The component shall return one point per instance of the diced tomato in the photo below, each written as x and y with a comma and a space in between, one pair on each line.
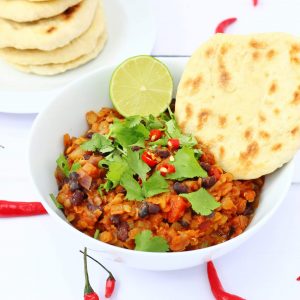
173, 144
155, 135
178, 207
214, 171
149, 158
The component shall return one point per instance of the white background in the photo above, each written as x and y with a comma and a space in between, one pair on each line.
39, 262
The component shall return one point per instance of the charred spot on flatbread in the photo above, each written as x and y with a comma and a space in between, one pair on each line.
203, 117
70, 12
51, 29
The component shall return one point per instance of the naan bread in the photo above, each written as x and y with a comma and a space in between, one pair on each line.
53, 69
82, 45
240, 96
49, 34
25, 11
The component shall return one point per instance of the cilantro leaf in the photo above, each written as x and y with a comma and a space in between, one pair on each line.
137, 164
153, 123
133, 189
63, 164
57, 204
126, 135
156, 184
202, 201
116, 170
186, 165
108, 185
133, 121
173, 129
187, 141
99, 143
75, 167
144, 241
161, 142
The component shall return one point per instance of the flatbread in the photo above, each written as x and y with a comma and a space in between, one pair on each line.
53, 69
51, 33
25, 11
240, 96
82, 45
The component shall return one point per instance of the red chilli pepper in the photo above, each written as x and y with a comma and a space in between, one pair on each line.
89, 293
155, 135
173, 144
165, 169
149, 158
110, 281
216, 285
255, 2
224, 24
110, 286
21, 209
298, 278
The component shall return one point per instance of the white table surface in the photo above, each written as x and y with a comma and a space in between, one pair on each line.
38, 261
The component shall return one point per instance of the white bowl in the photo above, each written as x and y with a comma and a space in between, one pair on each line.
66, 114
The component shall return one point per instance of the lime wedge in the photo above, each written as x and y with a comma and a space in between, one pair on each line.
141, 85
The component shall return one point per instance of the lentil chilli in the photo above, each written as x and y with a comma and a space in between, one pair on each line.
149, 190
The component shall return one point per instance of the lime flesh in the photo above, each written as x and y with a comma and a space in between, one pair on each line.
141, 85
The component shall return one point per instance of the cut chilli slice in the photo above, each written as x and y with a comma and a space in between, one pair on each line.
224, 24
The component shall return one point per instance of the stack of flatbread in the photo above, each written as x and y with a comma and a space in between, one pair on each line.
51, 37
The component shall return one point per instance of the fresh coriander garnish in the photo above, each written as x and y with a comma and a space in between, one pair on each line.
99, 143
144, 241
57, 204
132, 187
186, 165
202, 201
63, 164
96, 234
156, 184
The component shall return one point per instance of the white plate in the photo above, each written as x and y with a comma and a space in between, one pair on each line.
131, 30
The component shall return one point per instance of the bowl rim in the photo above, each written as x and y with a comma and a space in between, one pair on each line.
115, 249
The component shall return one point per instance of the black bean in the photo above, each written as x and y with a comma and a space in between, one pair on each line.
135, 148
231, 231
208, 182
93, 207
249, 210
144, 210
77, 197
86, 156
115, 219
122, 231
162, 153
74, 185
184, 223
89, 135
180, 188
206, 166
73, 175
153, 208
